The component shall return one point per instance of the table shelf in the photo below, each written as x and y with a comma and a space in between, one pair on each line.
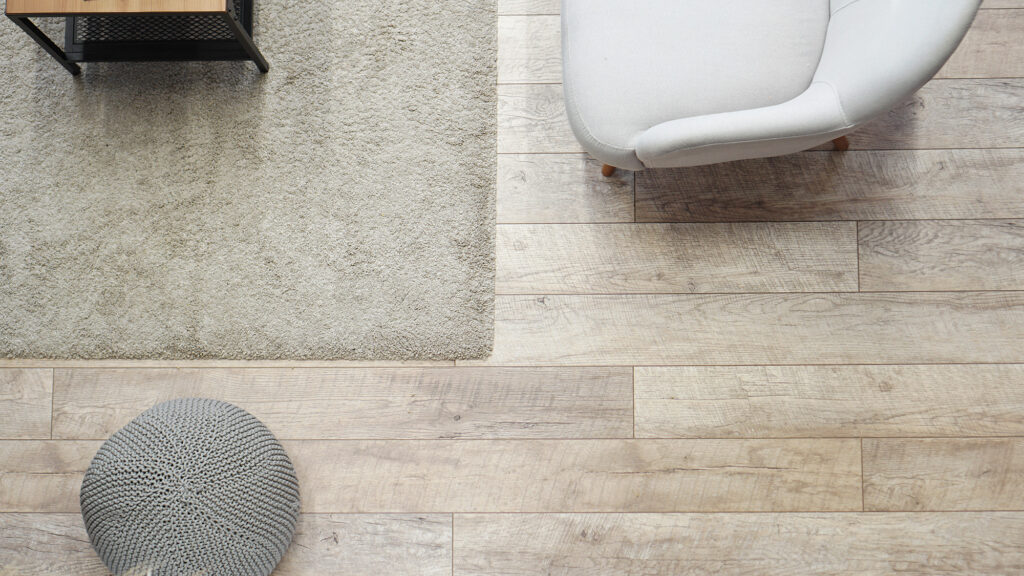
155, 34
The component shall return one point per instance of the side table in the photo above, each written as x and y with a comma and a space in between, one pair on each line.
143, 30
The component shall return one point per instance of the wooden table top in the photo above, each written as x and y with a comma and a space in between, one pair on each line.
61, 7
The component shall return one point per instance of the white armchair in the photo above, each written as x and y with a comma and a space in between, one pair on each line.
670, 83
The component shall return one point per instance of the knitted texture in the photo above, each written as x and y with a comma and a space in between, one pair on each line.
191, 486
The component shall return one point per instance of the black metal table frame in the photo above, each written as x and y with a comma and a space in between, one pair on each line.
240, 25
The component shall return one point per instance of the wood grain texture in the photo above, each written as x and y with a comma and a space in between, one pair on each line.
40, 7
356, 545
370, 545
990, 4
25, 399
950, 114
942, 255
829, 401
371, 403
944, 474
760, 329
532, 119
47, 545
43, 475
578, 475
918, 184
556, 188
674, 258
992, 47
555, 6
529, 49
428, 476
738, 544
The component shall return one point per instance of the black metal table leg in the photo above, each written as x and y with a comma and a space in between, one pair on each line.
43, 40
246, 41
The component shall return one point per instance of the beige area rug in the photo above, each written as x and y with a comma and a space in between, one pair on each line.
340, 207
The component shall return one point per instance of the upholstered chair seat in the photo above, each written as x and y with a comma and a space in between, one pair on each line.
667, 83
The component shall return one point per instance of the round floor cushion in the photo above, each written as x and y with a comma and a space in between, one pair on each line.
191, 486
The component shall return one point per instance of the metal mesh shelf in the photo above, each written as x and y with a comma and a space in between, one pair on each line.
158, 36
215, 30
191, 27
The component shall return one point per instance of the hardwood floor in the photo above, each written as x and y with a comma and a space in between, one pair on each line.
740, 544
802, 365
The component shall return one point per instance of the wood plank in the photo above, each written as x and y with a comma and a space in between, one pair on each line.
829, 401
986, 4
529, 49
578, 475
370, 545
888, 185
552, 6
673, 258
950, 114
40, 7
942, 255
370, 403
57, 545
25, 400
47, 545
876, 328
991, 49
437, 476
42, 475
553, 188
532, 119
944, 474
738, 544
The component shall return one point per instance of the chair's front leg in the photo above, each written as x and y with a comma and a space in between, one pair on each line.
43, 40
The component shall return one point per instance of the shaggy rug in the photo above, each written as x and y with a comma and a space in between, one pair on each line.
340, 207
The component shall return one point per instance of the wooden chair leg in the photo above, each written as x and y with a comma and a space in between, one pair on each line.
842, 144
607, 170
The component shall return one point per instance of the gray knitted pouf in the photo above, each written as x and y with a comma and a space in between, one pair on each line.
191, 486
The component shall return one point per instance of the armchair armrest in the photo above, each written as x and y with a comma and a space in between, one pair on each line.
877, 52
812, 118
